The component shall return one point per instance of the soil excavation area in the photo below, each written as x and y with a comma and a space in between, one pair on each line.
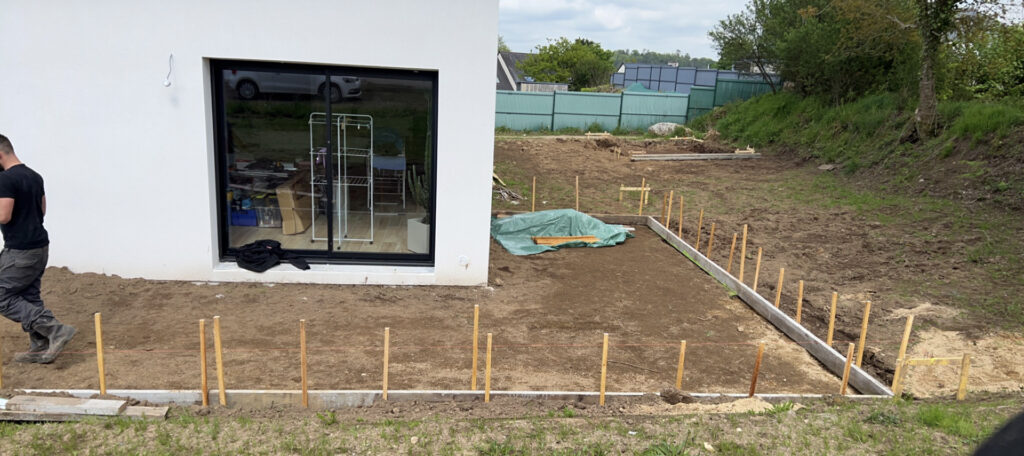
547, 314
907, 255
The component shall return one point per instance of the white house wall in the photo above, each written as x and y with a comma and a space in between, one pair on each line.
129, 164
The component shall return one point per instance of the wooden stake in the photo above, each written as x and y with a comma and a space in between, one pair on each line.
577, 193
679, 369
757, 269
903, 351
799, 300
897, 391
711, 240
303, 363
846, 369
671, 202
219, 357
743, 252
99, 352
680, 233
604, 368
778, 290
700, 224
965, 365
487, 371
757, 369
533, 196
664, 208
863, 333
643, 186
476, 343
204, 384
732, 249
387, 351
832, 320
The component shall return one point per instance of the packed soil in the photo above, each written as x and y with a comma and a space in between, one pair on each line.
547, 313
905, 266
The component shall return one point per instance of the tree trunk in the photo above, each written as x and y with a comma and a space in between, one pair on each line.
926, 116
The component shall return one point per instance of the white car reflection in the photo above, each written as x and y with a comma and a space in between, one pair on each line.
250, 84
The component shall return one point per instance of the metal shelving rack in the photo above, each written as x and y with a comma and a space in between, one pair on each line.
344, 154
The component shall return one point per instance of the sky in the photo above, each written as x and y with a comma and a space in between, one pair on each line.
657, 25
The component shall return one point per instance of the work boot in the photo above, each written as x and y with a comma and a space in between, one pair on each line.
37, 346
57, 334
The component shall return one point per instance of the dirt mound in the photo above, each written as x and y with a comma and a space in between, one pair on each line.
606, 142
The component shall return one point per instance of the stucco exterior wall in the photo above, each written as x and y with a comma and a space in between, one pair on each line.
129, 163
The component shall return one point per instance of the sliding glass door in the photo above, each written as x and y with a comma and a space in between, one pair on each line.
334, 163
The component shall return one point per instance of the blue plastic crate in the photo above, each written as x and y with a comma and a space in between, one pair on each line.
244, 217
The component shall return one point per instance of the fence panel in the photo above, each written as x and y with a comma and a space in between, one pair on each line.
641, 110
702, 101
523, 110
729, 90
581, 109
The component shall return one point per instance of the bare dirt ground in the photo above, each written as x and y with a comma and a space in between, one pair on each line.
907, 257
547, 313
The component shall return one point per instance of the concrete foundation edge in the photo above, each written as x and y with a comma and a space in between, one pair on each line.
329, 399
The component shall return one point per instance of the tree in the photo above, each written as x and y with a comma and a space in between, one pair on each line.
742, 37
502, 47
581, 63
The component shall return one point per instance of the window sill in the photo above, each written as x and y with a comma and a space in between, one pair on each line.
328, 274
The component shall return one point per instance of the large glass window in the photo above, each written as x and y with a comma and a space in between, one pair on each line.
335, 163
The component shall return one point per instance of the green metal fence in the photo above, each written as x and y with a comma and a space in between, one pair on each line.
581, 109
524, 110
729, 90
641, 110
702, 101
629, 110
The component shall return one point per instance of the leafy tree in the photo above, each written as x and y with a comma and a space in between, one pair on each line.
502, 47
581, 63
745, 37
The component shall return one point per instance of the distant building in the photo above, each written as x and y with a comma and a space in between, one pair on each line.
510, 77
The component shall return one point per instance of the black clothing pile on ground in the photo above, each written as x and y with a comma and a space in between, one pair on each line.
264, 254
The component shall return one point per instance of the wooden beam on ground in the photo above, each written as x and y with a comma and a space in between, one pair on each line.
829, 357
932, 361
556, 240
72, 405
680, 157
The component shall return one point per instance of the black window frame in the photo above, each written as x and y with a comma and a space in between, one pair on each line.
328, 255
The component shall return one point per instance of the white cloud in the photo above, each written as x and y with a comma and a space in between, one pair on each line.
616, 24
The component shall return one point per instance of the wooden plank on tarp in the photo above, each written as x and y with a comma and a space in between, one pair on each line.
555, 240
71, 405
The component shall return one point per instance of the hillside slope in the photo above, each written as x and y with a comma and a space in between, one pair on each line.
977, 157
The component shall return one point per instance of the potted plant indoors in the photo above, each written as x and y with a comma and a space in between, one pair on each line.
418, 234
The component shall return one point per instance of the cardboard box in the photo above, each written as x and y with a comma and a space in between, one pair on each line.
296, 209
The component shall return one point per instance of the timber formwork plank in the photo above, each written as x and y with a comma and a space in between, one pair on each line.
66, 405
678, 157
827, 356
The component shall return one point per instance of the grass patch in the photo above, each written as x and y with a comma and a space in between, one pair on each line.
949, 420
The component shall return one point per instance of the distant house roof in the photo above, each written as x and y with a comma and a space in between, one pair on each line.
509, 75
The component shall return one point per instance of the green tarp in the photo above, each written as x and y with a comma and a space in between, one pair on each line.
515, 232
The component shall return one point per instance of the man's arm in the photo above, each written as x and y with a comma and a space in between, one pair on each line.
6, 208
44, 204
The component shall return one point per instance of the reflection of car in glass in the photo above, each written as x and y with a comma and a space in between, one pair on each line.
249, 84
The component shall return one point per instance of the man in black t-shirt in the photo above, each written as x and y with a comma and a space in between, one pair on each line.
23, 258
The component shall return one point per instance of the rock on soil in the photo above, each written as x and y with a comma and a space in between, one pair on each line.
662, 128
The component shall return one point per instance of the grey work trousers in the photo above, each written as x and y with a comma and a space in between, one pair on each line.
20, 274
